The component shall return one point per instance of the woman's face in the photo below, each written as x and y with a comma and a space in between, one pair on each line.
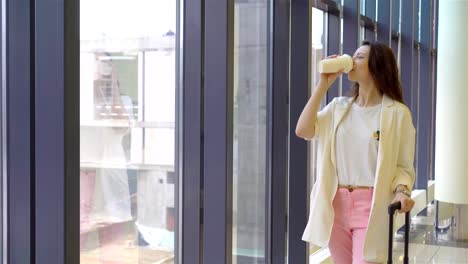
360, 71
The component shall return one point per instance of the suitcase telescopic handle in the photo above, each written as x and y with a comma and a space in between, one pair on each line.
391, 211
393, 207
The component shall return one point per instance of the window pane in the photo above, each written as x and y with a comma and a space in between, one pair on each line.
249, 169
318, 41
318, 52
127, 131
362, 35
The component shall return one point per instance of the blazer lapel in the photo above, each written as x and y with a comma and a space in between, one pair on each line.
386, 119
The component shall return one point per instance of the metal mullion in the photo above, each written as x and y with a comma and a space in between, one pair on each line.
395, 28
425, 106
277, 125
384, 22
351, 31
19, 172
178, 135
298, 153
415, 60
218, 134
3, 135
416, 94
191, 95
71, 130
269, 135
333, 47
433, 58
407, 50
50, 238
370, 13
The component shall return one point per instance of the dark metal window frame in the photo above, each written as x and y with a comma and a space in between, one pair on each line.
277, 127
52, 119
301, 14
406, 53
383, 24
192, 103
416, 93
351, 22
71, 88
333, 36
217, 131
433, 53
3, 137
41, 137
425, 97
370, 14
394, 22
18, 96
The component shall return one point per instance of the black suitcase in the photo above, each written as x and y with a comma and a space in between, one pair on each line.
391, 211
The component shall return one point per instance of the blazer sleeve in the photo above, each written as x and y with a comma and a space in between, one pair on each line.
323, 120
405, 172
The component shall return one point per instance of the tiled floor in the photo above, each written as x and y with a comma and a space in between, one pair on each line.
426, 246
420, 253
127, 255
123, 250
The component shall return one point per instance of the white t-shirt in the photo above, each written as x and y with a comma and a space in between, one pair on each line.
357, 144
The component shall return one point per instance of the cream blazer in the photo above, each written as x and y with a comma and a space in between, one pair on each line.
394, 166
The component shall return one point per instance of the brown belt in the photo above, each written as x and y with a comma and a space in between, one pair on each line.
352, 187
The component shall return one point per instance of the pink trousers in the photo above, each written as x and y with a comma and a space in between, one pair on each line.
352, 210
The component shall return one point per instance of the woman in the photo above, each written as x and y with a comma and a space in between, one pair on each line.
365, 158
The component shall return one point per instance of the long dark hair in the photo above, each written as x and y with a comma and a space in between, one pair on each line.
384, 71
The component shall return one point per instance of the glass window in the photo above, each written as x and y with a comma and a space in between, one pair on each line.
395, 16
362, 34
419, 20
318, 42
318, 52
362, 30
127, 131
377, 10
249, 146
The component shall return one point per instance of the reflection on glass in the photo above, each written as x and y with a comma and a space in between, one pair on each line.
318, 52
362, 34
249, 169
127, 131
